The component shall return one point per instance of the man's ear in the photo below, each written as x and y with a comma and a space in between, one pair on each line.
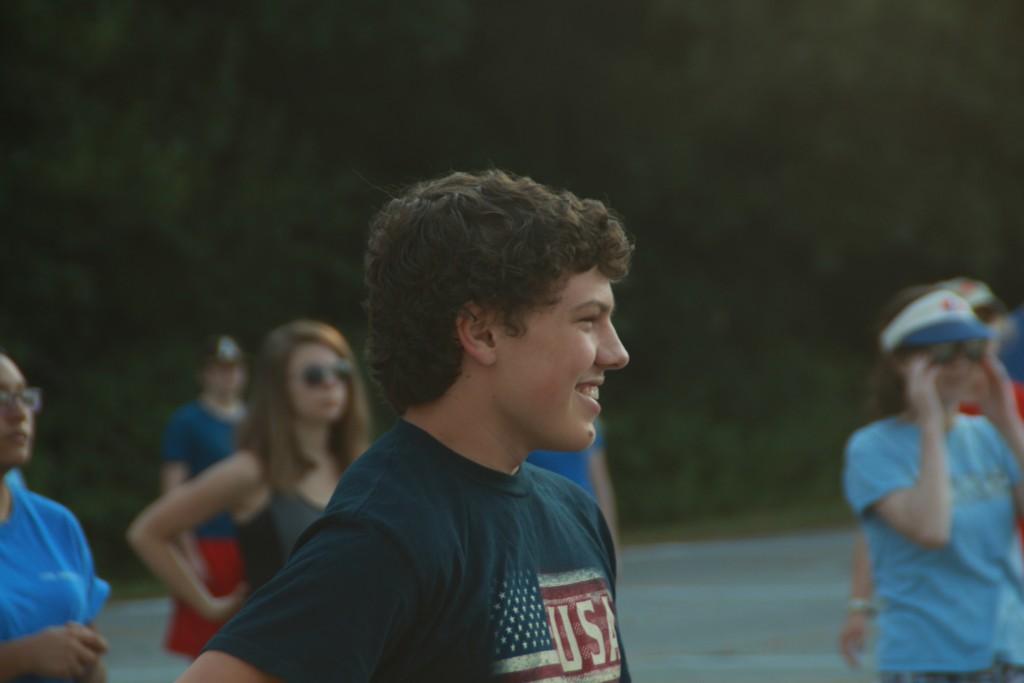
475, 330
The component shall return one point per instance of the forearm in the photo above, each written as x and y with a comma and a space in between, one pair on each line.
932, 504
165, 559
861, 585
924, 512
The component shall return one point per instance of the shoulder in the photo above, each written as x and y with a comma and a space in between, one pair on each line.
49, 512
186, 413
406, 493
561, 495
876, 434
183, 421
242, 467
384, 483
549, 483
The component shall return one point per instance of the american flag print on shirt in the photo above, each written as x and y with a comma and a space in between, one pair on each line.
554, 628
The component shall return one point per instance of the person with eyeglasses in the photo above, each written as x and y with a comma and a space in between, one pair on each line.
861, 607
199, 434
307, 420
49, 592
937, 493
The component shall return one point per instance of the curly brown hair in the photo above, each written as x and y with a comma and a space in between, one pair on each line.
505, 243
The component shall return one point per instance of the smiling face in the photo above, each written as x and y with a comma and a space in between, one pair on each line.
318, 394
17, 423
548, 377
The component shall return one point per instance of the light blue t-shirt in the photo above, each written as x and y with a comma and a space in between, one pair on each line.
46, 570
955, 608
14, 478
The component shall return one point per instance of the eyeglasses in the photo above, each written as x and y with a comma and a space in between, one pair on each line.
946, 353
316, 375
30, 397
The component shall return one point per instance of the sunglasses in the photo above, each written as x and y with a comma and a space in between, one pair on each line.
31, 398
946, 353
317, 375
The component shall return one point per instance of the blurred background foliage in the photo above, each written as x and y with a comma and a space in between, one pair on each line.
174, 169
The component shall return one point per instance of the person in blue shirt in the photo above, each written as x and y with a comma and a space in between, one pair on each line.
201, 434
49, 592
937, 492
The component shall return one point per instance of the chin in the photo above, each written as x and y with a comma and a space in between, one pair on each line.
577, 440
15, 458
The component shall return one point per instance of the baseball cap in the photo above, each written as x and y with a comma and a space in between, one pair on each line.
222, 349
974, 292
934, 318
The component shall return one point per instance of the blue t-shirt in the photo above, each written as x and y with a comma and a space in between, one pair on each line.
14, 478
427, 566
198, 438
46, 570
1012, 351
955, 608
572, 464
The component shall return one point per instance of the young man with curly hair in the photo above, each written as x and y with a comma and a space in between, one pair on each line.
443, 556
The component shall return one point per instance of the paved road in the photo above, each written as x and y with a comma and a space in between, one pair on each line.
764, 611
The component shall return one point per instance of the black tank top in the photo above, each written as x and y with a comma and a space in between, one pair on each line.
267, 539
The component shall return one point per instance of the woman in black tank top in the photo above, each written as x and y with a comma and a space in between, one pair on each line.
308, 419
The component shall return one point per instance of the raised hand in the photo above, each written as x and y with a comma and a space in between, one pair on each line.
997, 400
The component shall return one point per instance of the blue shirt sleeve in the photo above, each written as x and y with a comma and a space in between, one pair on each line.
875, 467
176, 446
95, 590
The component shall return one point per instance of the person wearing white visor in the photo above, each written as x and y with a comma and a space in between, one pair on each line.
936, 494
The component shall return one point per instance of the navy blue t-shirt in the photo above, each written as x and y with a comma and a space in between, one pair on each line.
574, 465
198, 438
429, 567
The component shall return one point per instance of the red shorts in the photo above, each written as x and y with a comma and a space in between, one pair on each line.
188, 632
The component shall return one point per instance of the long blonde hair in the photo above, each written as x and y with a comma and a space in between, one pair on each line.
268, 429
